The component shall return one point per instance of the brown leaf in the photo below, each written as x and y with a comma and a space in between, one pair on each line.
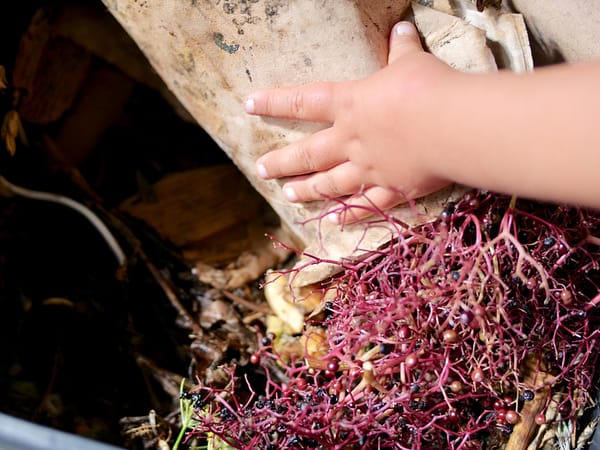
3, 82
11, 126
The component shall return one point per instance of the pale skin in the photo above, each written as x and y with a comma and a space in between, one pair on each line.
417, 125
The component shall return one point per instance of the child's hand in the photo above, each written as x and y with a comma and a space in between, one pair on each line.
383, 140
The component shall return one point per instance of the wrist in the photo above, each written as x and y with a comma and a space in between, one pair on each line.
446, 109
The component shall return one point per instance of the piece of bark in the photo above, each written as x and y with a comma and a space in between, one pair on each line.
215, 217
524, 431
192, 206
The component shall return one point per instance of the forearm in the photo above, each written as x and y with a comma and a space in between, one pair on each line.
533, 135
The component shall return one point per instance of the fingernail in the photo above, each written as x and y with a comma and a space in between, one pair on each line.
290, 194
249, 105
262, 171
333, 218
403, 29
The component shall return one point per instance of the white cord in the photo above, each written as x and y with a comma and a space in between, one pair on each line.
70, 203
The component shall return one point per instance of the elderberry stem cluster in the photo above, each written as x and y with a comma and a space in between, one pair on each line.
435, 341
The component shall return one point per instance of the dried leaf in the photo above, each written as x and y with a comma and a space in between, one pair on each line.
11, 129
11, 146
587, 434
58, 301
289, 347
564, 435
546, 436
3, 82
279, 296
217, 311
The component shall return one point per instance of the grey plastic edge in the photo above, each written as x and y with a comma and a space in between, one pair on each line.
18, 434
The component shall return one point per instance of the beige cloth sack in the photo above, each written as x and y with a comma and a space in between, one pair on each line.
212, 53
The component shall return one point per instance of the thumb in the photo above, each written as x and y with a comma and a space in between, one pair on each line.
404, 40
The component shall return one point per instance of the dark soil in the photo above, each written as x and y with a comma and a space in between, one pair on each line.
72, 326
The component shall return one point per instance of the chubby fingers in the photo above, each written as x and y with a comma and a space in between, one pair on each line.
314, 102
340, 181
315, 153
404, 40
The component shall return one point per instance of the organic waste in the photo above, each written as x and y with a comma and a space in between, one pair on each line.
473, 331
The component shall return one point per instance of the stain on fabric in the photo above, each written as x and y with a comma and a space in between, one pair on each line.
219, 39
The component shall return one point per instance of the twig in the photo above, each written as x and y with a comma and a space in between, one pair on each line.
190, 323
246, 303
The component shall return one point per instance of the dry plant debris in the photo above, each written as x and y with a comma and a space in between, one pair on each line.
458, 334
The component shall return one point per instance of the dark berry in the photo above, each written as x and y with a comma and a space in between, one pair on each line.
197, 401
225, 414
310, 443
185, 394
466, 317
528, 395
564, 409
386, 349
447, 212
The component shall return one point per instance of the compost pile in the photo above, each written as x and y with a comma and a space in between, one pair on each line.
475, 330
462, 333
